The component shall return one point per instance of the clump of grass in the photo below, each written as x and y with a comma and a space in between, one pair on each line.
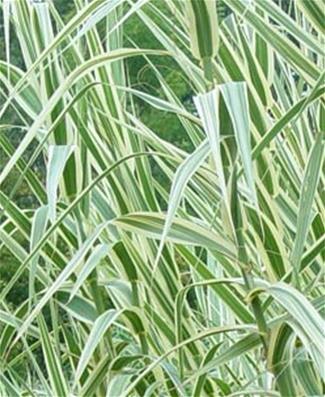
152, 271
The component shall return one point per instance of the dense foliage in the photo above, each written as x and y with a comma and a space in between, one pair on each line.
161, 198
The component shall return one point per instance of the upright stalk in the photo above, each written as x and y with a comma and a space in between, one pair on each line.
244, 260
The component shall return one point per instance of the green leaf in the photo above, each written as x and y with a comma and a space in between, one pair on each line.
306, 374
38, 228
307, 194
101, 325
207, 106
303, 312
236, 99
182, 176
53, 365
99, 252
58, 157
203, 27
181, 231
79, 307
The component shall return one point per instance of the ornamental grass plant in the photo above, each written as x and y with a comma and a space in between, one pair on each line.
172, 243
